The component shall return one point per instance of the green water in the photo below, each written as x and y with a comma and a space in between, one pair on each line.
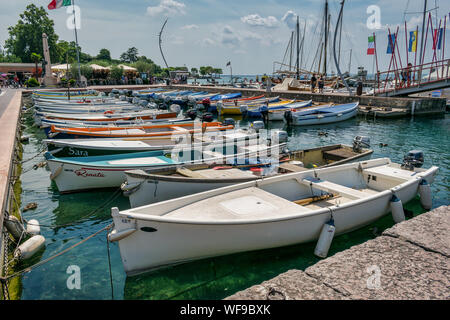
214, 278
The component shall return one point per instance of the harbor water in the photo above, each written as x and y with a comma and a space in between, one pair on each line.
68, 219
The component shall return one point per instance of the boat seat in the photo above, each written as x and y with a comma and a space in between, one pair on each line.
188, 173
390, 173
333, 188
292, 167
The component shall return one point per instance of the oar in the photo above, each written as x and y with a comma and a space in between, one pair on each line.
307, 201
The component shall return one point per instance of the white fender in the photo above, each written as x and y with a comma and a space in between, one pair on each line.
33, 227
325, 239
115, 235
14, 227
30, 247
397, 210
425, 195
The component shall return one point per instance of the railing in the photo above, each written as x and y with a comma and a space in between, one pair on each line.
412, 76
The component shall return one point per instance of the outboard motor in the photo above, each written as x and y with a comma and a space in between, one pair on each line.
152, 105
123, 98
244, 109
175, 108
143, 102
207, 117
191, 113
257, 125
360, 142
264, 110
279, 135
413, 159
288, 117
129, 99
229, 122
111, 95
135, 100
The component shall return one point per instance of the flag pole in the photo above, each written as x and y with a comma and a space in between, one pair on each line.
76, 40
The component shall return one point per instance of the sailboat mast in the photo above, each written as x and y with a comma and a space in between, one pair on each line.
326, 39
423, 30
303, 42
290, 54
350, 62
298, 48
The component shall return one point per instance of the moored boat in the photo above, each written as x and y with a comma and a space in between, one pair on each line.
328, 114
267, 213
154, 185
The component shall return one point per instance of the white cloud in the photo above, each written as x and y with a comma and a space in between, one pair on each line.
208, 42
290, 18
167, 8
257, 20
190, 27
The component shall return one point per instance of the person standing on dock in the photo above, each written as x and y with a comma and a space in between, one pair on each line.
321, 84
313, 83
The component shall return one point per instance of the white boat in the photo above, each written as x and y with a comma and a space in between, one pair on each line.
155, 185
328, 114
261, 214
74, 174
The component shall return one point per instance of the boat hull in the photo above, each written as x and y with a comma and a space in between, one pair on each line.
202, 239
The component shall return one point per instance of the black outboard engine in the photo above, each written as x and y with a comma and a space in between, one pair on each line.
207, 117
288, 117
191, 113
229, 122
360, 142
413, 159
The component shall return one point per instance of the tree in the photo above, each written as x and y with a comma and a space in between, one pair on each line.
36, 58
194, 71
104, 54
116, 73
143, 66
26, 36
130, 56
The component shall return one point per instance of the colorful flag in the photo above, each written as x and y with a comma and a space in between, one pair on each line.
56, 4
371, 48
437, 38
391, 43
412, 41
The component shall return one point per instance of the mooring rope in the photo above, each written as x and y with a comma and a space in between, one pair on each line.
40, 263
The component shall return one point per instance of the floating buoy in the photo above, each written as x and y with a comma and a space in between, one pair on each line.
24, 139
30, 247
425, 195
175, 108
14, 227
325, 239
397, 209
33, 227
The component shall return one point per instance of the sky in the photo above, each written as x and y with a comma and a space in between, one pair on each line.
251, 34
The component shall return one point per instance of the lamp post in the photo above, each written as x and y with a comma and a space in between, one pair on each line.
231, 72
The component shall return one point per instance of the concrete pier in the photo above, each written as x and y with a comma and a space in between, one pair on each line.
409, 261
10, 104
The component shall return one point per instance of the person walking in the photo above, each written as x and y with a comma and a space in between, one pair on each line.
313, 83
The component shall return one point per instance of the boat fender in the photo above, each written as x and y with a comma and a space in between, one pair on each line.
57, 172
397, 209
115, 235
14, 227
51, 135
30, 247
33, 227
325, 239
425, 195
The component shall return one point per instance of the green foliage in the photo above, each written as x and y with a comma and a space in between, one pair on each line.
72, 82
35, 57
104, 54
208, 70
131, 55
116, 73
26, 36
32, 82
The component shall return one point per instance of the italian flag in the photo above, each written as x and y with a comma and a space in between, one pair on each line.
371, 48
56, 4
